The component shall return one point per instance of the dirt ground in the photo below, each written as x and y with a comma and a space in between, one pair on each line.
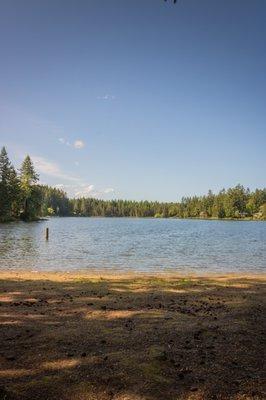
66, 337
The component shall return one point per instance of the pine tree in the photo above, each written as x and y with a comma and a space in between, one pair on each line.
4, 198
30, 192
9, 189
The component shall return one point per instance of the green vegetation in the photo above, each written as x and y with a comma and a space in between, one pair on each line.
10, 193
29, 193
21, 197
234, 203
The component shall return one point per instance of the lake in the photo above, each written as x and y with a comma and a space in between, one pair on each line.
128, 244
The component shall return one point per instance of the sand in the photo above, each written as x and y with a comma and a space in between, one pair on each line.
102, 336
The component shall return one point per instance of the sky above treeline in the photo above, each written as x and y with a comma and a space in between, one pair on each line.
136, 99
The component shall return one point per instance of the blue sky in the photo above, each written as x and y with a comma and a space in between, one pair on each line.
139, 99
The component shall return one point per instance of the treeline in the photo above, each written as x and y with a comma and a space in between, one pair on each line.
234, 203
21, 197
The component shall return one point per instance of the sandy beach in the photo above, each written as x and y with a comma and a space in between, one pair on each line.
98, 336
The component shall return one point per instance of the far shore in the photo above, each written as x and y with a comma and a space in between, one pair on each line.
47, 217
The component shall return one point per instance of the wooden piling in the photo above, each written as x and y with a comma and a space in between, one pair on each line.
47, 233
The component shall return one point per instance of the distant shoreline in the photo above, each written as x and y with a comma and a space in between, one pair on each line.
45, 219
179, 218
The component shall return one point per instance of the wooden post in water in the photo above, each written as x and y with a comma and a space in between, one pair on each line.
47, 233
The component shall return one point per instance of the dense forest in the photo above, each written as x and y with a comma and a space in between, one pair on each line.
21, 197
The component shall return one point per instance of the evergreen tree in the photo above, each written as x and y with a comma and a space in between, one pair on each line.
9, 188
24, 197
30, 195
15, 193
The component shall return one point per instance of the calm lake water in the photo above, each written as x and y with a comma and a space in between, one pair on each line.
149, 245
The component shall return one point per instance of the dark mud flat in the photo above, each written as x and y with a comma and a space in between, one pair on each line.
83, 337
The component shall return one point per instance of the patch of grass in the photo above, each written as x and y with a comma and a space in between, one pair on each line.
153, 372
185, 282
155, 351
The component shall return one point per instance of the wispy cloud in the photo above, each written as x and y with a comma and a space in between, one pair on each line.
85, 190
60, 186
109, 190
64, 141
73, 185
90, 191
106, 97
49, 168
79, 144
